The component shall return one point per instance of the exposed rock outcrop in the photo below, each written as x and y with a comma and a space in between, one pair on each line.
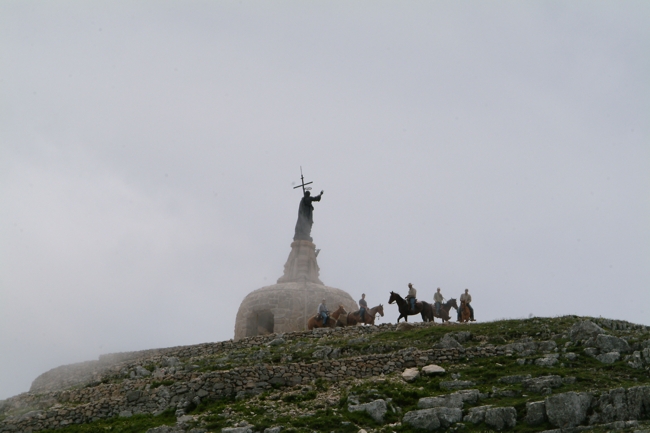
583, 330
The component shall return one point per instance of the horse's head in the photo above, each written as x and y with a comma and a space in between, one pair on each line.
393, 297
380, 310
341, 310
452, 303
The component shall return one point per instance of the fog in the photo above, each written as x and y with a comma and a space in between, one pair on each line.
149, 152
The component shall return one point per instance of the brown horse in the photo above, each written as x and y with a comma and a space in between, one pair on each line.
368, 318
317, 322
464, 312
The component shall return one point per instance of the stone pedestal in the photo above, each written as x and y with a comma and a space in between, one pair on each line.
286, 307
301, 265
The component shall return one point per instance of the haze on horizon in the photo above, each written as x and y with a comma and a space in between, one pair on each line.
149, 149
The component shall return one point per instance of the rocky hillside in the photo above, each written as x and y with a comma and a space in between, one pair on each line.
559, 374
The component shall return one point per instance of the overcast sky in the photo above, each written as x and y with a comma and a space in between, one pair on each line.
149, 150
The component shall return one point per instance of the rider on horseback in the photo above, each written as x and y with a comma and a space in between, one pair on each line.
411, 297
467, 298
322, 312
437, 299
363, 306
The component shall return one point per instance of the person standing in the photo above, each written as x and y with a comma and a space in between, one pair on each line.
411, 297
438, 299
468, 299
322, 312
363, 306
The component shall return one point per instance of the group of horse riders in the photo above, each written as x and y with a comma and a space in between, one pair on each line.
438, 299
411, 298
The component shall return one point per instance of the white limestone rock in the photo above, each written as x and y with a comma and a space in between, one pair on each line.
404, 326
433, 418
166, 429
476, 415
450, 400
501, 417
447, 342
638, 402
583, 330
237, 430
425, 419
571, 356
448, 415
608, 358
457, 384
321, 352
535, 413
470, 396
547, 361
610, 343
410, 374
376, 409
514, 379
568, 409
542, 383
433, 369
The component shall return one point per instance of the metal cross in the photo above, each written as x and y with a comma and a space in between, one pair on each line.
302, 182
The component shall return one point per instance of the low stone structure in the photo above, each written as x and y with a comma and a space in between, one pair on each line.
288, 305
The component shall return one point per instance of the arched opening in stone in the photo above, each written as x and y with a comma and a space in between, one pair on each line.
260, 323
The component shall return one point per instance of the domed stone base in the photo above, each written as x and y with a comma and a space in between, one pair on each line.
286, 307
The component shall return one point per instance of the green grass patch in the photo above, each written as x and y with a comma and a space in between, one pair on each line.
156, 384
134, 424
296, 398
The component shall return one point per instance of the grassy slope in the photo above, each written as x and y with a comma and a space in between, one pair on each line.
322, 406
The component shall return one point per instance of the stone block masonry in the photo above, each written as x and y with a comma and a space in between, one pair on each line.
286, 307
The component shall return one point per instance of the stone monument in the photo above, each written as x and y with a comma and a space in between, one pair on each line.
287, 305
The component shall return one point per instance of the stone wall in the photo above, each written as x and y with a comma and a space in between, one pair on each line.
70, 375
173, 388
138, 396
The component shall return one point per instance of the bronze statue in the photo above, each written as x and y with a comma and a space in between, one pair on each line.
305, 212
305, 217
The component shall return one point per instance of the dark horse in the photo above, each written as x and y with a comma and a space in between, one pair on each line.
430, 310
405, 309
